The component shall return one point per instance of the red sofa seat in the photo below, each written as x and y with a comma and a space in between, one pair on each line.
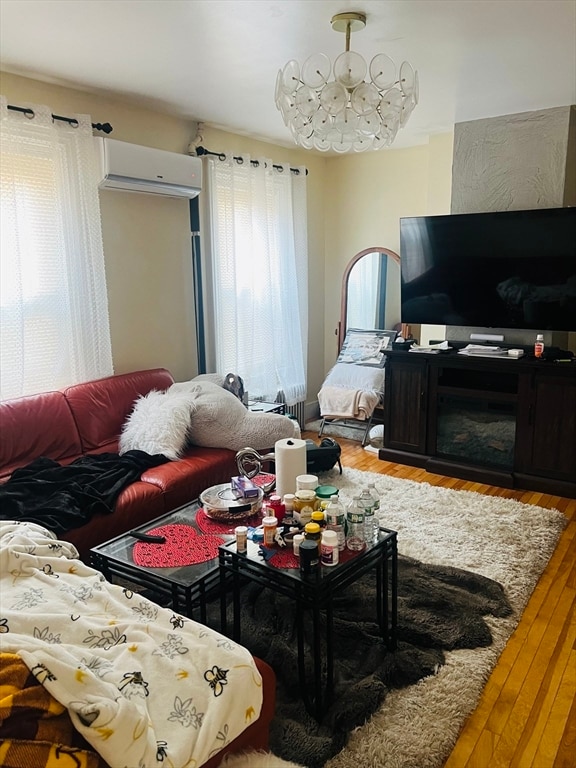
87, 419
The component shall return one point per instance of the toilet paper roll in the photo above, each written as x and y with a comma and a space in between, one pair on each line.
290, 461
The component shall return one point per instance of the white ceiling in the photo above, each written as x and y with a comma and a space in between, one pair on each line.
216, 61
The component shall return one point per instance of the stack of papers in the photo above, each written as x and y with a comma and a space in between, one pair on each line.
433, 348
483, 351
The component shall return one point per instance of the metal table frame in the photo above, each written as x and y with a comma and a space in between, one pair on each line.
315, 593
185, 588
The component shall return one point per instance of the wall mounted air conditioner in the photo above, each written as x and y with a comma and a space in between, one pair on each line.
133, 168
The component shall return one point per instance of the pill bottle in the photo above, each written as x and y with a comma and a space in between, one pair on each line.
329, 552
296, 541
241, 532
270, 525
309, 557
312, 531
319, 517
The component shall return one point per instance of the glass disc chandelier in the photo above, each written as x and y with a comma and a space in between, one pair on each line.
349, 112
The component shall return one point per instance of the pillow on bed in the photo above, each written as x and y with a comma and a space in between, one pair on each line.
159, 423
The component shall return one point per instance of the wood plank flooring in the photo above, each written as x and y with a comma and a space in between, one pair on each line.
526, 717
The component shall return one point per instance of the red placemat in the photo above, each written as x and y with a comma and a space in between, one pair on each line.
207, 525
183, 546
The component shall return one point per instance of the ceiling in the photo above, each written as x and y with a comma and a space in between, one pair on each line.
215, 61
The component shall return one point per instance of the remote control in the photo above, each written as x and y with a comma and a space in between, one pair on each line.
148, 537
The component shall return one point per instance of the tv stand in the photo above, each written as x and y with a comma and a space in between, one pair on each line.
506, 422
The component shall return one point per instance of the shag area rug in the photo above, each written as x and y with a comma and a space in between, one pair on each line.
468, 565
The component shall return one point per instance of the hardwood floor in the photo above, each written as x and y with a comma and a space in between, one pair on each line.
526, 717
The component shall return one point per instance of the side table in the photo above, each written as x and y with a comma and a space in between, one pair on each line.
315, 594
185, 588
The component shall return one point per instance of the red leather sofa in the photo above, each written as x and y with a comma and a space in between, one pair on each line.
86, 419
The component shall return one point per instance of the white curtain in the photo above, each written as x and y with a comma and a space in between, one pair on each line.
53, 302
259, 271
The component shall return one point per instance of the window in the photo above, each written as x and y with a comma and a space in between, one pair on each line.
54, 327
258, 270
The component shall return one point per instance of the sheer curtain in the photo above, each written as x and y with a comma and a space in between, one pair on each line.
53, 302
257, 249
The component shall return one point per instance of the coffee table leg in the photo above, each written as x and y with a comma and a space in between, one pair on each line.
223, 596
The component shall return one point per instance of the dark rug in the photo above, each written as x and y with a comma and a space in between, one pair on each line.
439, 609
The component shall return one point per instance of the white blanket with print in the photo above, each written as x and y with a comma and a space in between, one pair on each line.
144, 686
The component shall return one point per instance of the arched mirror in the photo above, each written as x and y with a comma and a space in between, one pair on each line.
370, 292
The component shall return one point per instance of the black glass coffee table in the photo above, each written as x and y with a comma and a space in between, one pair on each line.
315, 594
185, 588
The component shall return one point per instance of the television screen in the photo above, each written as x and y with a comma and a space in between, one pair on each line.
511, 269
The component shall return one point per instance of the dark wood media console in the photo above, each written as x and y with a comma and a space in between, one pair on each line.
503, 421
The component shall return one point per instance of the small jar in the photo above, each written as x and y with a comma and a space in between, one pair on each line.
288, 500
305, 503
306, 482
329, 552
312, 532
241, 532
309, 557
270, 526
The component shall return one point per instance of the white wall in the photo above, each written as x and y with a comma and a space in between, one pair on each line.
354, 202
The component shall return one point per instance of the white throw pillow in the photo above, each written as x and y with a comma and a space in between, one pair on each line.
159, 423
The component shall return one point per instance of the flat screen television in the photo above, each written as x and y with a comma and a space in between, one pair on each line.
511, 269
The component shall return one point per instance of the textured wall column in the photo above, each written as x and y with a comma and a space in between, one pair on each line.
514, 162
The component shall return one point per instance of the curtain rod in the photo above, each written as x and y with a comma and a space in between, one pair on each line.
222, 156
104, 127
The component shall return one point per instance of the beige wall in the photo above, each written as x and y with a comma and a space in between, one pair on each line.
354, 202
366, 195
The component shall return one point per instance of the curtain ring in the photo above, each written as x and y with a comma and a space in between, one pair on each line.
74, 123
239, 160
30, 114
222, 156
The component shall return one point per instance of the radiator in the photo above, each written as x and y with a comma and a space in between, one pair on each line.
298, 410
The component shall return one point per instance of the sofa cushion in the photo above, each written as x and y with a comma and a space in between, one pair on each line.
136, 505
159, 423
184, 480
100, 407
35, 426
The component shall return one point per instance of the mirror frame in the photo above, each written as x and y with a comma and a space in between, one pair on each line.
341, 331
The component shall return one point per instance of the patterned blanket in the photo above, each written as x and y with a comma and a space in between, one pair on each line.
144, 686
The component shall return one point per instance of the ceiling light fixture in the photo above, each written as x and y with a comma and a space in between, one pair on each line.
346, 113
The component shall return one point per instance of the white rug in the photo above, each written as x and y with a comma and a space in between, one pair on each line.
500, 538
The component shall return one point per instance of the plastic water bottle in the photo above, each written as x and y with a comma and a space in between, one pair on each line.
355, 530
367, 504
336, 520
376, 508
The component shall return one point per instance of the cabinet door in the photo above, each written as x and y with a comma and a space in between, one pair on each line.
405, 405
553, 421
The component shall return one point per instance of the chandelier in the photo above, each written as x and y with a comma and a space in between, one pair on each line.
348, 112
